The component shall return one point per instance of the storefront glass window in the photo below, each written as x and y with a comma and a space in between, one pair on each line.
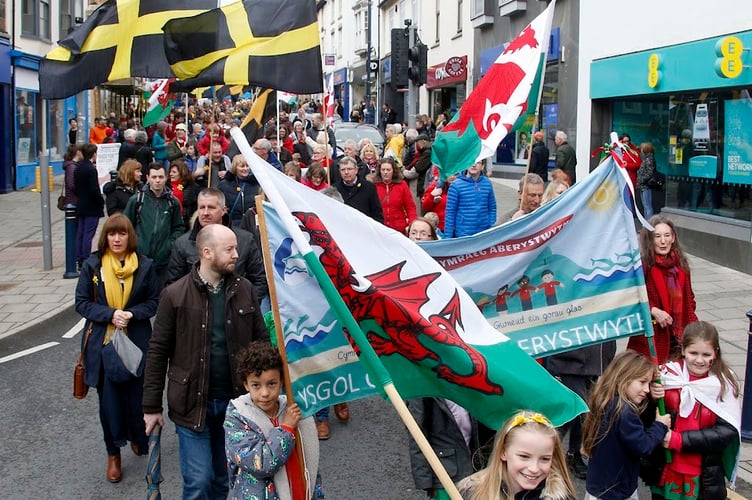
58, 124
701, 143
28, 111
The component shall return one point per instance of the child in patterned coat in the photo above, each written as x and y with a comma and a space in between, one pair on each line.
260, 433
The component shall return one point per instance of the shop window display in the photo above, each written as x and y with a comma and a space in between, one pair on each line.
700, 145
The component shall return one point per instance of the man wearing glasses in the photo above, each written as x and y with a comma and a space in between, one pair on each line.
358, 193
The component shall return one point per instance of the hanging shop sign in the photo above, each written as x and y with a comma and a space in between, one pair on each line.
453, 71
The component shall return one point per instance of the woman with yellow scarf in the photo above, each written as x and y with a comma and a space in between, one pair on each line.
117, 288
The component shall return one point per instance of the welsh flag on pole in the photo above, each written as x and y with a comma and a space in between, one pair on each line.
496, 103
426, 331
160, 101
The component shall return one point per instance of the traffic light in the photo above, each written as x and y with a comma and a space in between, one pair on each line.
400, 46
418, 55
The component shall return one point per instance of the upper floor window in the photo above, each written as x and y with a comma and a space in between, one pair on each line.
35, 18
438, 23
69, 10
3, 22
459, 16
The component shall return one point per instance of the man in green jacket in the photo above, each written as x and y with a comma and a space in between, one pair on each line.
155, 214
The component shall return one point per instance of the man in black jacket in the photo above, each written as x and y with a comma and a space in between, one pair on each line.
90, 202
358, 193
539, 157
202, 320
212, 210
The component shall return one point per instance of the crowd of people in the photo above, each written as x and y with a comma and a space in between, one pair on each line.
179, 270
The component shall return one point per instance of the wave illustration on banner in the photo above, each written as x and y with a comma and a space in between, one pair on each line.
324, 368
567, 275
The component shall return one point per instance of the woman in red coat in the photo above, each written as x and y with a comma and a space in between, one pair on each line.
435, 201
670, 295
394, 193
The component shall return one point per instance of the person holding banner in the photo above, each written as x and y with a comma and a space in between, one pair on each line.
614, 435
260, 433
669, 286
702, 393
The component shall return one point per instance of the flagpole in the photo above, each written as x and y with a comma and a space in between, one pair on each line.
278, 327
371, 362
544, 52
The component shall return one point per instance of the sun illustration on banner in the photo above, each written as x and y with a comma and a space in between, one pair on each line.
604, 197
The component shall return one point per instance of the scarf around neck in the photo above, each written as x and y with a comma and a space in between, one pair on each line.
669, 274
707, 392
118, 283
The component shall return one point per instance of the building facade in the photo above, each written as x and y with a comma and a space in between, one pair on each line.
685, 89
496, 23
39, 126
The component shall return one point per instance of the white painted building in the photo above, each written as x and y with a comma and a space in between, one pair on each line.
677, 75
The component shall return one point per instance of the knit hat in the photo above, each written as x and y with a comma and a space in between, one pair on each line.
181, 126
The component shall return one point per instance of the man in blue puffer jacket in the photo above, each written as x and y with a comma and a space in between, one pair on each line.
471, 205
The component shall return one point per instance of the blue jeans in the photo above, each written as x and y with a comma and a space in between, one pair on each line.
322, 414
646, 195
85, 230
203, 462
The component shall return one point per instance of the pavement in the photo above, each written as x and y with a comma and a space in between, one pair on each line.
30, 294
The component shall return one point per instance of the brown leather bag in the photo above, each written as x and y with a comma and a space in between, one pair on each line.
80, 389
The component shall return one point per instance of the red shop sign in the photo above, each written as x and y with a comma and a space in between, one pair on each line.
452, 71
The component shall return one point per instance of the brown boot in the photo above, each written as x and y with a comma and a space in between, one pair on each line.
342, 411
322, 428
136, 451
114, 474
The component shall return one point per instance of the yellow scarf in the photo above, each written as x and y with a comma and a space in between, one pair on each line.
113, 274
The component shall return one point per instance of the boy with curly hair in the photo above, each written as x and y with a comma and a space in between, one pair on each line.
260, 434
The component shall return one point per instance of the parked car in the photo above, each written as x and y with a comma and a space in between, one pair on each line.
357, 131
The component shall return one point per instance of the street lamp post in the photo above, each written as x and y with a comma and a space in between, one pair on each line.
369, 108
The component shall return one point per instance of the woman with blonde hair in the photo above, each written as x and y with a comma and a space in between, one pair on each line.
240, 188
554, 189
370, 157
118, 192
527, 462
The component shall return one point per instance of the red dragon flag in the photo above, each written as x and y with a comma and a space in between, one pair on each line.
425, 329
501, 96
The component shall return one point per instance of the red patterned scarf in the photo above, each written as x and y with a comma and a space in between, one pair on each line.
669, 278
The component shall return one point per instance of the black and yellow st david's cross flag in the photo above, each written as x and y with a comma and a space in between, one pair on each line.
121, 39
269, 43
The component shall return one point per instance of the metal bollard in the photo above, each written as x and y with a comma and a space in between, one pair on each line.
71, 225
747, 401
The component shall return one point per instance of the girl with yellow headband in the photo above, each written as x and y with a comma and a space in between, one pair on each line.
527, 462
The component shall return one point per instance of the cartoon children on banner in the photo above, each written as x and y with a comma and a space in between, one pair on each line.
549, 287
525, 291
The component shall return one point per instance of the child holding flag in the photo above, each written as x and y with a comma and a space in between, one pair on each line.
613, 435
260, 433
527, 461
703, 394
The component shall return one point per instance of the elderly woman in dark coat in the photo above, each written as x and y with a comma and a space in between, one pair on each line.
117, 288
